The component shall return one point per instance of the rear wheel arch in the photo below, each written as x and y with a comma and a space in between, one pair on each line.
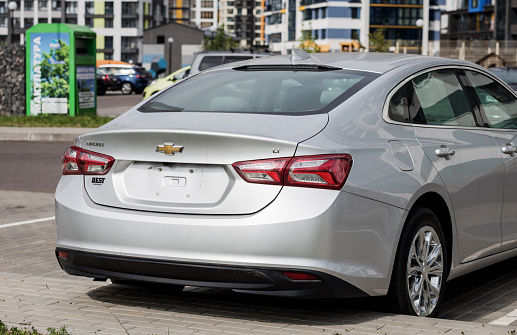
435, 203
429, 210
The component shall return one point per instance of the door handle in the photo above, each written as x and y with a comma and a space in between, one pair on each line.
509, 149
444, 151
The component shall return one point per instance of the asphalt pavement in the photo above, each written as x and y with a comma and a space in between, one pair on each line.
35, 292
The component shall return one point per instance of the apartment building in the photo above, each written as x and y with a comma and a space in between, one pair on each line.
338, 25
244, 20
198, 13
119, 24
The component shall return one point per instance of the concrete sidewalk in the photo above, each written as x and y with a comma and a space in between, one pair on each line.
41, 133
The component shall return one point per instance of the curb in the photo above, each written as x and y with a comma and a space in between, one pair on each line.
41, 134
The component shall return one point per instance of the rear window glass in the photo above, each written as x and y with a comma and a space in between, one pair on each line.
263, 92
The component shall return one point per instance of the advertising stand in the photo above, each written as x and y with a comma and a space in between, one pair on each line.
61, 73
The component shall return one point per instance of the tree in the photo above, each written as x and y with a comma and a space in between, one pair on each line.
218, 41
54, 72
378, 41
307, 42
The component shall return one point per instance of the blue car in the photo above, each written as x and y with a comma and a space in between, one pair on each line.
132, 78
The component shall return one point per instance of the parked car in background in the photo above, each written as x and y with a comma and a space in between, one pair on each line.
106, 82
132, 78
207, 59
161, 83
507, 74
321, 175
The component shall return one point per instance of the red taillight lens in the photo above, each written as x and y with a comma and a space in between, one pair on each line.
325, 171
139, 76
299, 276
63, 254
105, 78
77, 161
319, 171
266, 171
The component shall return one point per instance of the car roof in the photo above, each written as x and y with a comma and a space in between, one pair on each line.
362, 61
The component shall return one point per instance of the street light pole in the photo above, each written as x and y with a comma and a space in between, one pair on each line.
170, 40
420, 24
10, 28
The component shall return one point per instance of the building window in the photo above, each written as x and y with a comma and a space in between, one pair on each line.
108, 8
307, 15
127, 42
3, 7
323, 13
129, 23
229, 27
355, 13
323, 34
231, 3
160, 39
207, 4
229, 11
28, 5
128, 57
108, 42
108, 55
3, 22
42, 20
275, 38
89, 7
42, 5
71, 20
56, 5
129, 8
108, 23
88, 21
56, 20
71, 7
207, 15
274, 19
27, 23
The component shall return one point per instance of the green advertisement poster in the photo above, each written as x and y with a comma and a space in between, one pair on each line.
49, 64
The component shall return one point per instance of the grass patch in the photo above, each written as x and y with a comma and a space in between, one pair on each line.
54, 121
4, 330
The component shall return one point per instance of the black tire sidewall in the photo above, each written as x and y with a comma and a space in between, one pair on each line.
398, 293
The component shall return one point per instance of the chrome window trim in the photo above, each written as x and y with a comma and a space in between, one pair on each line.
385, 112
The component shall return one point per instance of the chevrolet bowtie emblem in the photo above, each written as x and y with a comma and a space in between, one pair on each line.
169, 148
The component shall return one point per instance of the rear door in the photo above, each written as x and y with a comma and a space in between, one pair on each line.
466, 158
499, 106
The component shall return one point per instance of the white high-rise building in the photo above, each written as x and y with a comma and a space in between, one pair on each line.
119, 24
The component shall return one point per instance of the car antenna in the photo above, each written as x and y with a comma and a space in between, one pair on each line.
299, 54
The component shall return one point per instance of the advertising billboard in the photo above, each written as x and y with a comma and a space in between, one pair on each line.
49, 75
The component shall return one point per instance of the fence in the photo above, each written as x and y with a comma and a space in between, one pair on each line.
12, 80
504, 53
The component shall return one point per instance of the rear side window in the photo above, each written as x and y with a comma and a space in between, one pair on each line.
264, 92
441, 100
210, 61
499, 105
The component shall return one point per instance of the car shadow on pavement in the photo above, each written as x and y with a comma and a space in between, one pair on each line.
225, 303
475, 296
472, 297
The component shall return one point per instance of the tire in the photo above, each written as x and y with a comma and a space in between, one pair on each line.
126, 88
417, 287
101, 91
164, 287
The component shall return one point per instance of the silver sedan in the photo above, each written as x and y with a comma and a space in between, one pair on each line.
323, 175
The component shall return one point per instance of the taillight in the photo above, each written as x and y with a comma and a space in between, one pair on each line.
105, 78
319, 171
266, 171
138, 76
77, 161
322, 171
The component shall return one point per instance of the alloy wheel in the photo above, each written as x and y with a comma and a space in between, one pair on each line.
424, 274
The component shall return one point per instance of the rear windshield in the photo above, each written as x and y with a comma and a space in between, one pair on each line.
211, 61
262, 92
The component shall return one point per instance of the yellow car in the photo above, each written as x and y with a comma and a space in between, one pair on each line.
161, 83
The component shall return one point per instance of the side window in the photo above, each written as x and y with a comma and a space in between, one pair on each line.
398, 109
441, 100
210, 61
499, 105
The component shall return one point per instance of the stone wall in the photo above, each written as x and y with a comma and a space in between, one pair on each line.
12, 80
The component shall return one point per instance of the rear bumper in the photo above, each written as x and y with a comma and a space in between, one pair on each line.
263, 281
335, 234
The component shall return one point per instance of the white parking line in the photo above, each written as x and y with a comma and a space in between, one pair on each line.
506, 320
26, 222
